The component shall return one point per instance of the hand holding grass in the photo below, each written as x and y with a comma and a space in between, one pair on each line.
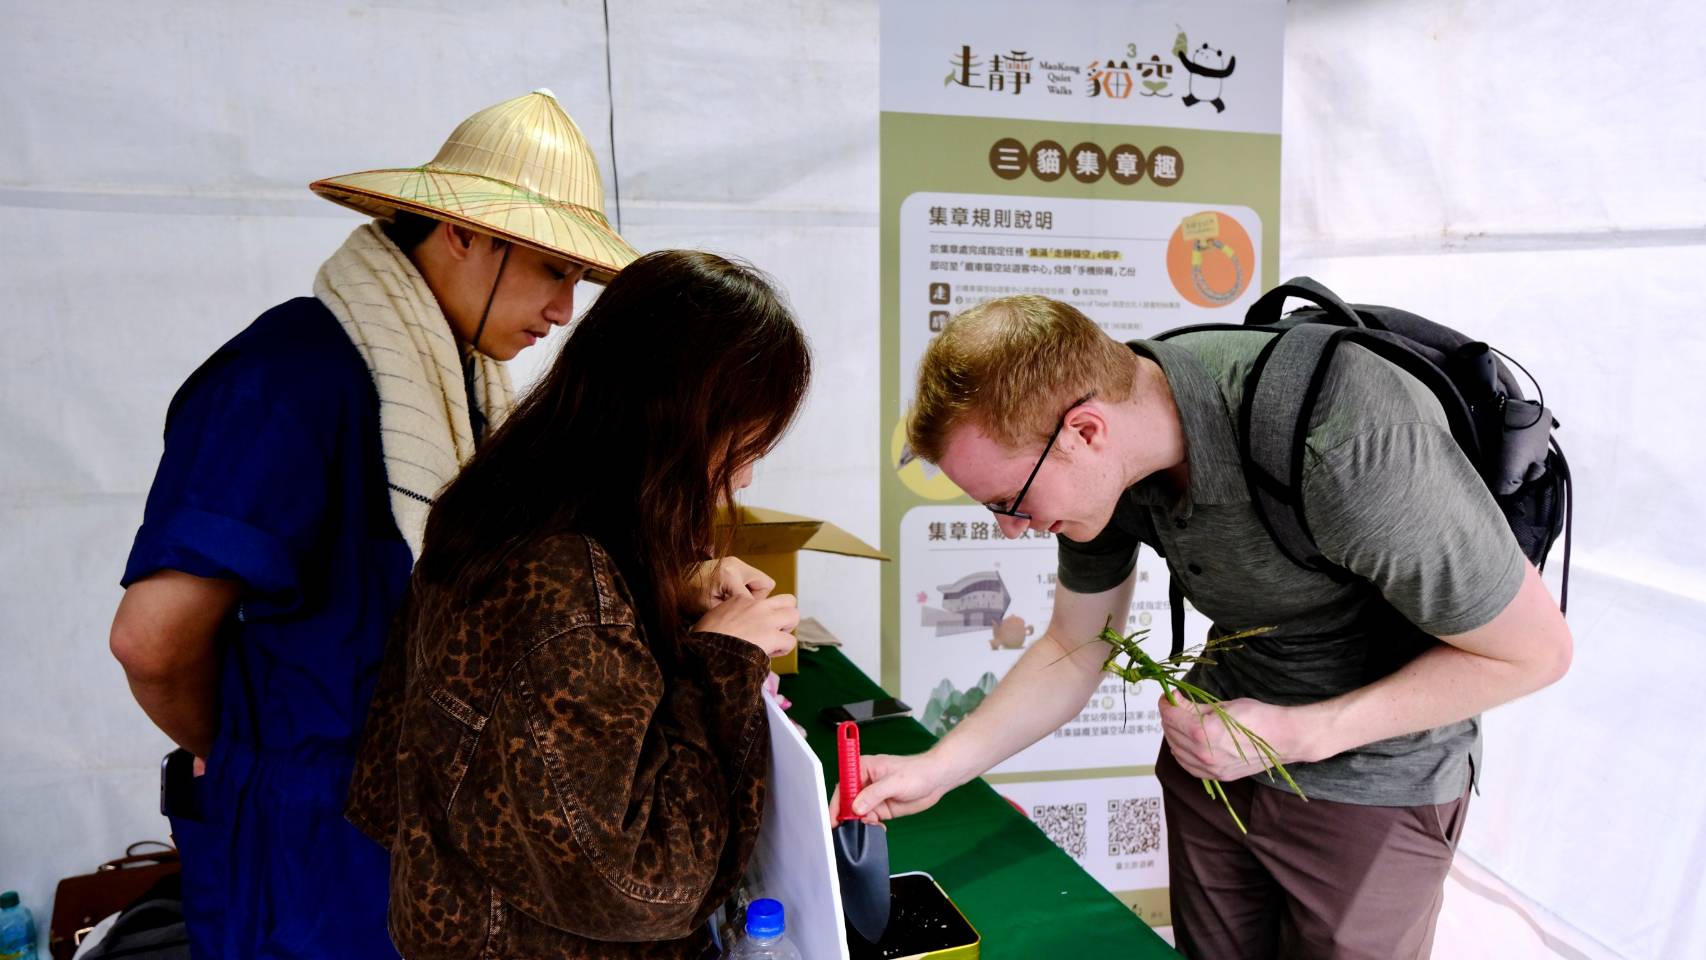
1205, 747
1208, 736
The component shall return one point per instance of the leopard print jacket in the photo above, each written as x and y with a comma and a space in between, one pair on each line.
551, 781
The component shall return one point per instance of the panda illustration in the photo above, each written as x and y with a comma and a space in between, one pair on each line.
1209, 69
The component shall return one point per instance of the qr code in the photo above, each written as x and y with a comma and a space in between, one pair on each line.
1134, 826
1064, 824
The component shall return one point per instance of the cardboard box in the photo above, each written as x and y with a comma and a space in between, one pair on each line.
771, 541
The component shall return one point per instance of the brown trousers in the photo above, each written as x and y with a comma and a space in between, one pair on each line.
1310, 880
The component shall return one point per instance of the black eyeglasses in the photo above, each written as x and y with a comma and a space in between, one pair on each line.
1012, 510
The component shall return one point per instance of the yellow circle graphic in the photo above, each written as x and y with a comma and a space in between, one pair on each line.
924, 479
1210, 259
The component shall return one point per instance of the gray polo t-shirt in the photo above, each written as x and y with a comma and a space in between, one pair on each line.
1387, 494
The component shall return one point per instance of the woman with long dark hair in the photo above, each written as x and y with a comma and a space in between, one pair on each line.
566, 752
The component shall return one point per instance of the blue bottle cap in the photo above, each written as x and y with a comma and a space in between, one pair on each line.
764, 918
9, 899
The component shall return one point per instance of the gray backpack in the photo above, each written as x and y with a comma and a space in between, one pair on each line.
1507, 437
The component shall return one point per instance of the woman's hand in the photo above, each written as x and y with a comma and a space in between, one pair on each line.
714, 581
765, 622
773, 686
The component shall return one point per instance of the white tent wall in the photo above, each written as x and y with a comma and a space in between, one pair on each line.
1536, 175
1533, 174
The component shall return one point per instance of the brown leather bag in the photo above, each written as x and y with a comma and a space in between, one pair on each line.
81, 902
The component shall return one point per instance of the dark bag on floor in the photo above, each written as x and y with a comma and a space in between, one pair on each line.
152, 928
81, 902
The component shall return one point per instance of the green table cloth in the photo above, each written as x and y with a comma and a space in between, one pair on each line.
1026, 897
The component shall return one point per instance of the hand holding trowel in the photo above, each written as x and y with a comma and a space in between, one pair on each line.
861, 849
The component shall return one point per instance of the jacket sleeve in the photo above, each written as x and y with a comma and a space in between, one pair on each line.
614, 796
241, 491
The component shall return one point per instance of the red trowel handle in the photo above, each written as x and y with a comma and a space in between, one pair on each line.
847, 748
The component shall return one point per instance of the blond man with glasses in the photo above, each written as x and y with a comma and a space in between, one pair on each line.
1369, 689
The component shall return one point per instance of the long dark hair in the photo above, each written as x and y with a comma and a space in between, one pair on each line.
686, 368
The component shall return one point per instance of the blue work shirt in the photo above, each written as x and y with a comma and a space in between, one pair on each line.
273, 475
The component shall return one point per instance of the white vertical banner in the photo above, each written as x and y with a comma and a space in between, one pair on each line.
1124, 158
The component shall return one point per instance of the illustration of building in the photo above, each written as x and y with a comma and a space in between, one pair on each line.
975, 602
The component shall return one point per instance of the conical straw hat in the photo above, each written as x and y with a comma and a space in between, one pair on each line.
520, 170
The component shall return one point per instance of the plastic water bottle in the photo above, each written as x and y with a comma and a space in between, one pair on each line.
18, 929
765, 937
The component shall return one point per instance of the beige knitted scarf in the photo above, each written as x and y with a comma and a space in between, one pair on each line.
395, 322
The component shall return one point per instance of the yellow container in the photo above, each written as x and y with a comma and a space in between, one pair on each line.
924, 924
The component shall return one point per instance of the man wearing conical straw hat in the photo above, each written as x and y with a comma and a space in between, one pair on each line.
300, 463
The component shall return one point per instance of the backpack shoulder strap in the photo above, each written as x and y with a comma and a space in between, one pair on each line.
1267, 308
1176, 611
1273, 426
